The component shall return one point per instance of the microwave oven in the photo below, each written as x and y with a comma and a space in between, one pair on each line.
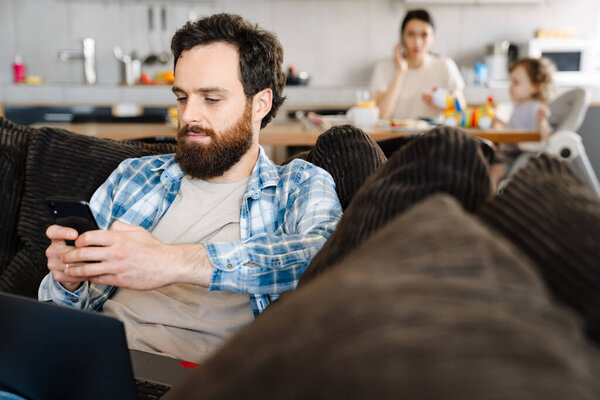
573, 57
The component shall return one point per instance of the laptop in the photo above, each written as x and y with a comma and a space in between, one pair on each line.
49, 351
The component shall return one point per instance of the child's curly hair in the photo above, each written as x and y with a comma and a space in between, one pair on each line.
540, 72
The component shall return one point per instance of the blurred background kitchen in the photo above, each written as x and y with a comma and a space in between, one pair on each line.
110, 59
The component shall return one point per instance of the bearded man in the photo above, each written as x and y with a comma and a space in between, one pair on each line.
194, 244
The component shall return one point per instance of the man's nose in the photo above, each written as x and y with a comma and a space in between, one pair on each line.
193, 112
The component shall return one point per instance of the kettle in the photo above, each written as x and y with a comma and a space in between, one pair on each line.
131, 67
499, 56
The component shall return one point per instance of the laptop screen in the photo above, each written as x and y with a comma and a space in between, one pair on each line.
54, 352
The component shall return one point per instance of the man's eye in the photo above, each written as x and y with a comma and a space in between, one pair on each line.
212, 101
181, 99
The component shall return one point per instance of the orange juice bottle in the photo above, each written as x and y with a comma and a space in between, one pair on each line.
363, 99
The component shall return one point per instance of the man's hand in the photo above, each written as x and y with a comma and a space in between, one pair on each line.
55, 253
128, 256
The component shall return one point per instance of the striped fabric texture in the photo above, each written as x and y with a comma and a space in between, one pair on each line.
14, 140
57, 163
349, 155
434, 305
550, 214
443, 160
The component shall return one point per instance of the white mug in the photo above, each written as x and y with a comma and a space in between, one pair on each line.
363, 117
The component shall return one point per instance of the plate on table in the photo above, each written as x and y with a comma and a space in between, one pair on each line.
403, 125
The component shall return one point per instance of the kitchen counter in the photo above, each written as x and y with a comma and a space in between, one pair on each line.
91, 95
154, 95
298, 97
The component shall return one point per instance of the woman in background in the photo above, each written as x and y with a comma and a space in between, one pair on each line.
403, 86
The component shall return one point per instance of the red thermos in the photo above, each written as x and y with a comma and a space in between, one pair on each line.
18, 70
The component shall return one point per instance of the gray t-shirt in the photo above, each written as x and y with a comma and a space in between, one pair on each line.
186, 321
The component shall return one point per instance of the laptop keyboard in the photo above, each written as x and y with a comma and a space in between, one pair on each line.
147, 390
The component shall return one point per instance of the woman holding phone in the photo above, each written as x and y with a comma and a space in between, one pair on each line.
403, 86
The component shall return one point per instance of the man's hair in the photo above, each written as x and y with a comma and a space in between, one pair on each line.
261, 54
539, 71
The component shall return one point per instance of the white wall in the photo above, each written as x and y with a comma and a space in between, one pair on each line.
336, 41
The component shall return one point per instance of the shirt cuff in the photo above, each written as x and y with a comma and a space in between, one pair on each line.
50, 289
227, 256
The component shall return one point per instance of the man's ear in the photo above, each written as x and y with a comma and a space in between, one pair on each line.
261, 104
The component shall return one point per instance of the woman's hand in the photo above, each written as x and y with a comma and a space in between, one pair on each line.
386, 101
428, 99
399, 59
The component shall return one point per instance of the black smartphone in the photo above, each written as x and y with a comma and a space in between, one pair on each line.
72, 213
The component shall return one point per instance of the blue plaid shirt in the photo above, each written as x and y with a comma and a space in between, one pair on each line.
287, 214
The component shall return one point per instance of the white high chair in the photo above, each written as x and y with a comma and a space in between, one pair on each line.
567, 112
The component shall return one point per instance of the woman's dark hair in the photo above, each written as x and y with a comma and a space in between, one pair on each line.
420, 14
261, 54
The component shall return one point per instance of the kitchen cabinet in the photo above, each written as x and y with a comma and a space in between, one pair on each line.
27, 115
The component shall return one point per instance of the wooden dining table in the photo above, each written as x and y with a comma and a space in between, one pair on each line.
294, 134
277, 134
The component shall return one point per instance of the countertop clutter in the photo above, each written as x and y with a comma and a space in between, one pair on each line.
276, 134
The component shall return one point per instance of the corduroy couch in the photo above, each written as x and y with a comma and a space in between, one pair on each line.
37, 163
431, 286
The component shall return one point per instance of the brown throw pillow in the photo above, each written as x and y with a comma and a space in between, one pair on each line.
61, 164
550, 214
444, 160
432, 306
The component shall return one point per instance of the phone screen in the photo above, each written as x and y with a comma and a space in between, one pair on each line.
72, 213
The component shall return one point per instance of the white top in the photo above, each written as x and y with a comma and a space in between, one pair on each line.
436, 71
186, 321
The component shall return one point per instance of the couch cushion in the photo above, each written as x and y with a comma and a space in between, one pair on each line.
432, 306
549, 213
349, 155
14, 140
443, 160
62, 164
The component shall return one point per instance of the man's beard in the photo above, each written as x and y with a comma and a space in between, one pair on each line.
204, 161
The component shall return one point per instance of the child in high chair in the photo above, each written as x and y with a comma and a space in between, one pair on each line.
530, 87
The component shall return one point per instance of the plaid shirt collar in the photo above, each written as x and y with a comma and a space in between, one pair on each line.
264, 173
